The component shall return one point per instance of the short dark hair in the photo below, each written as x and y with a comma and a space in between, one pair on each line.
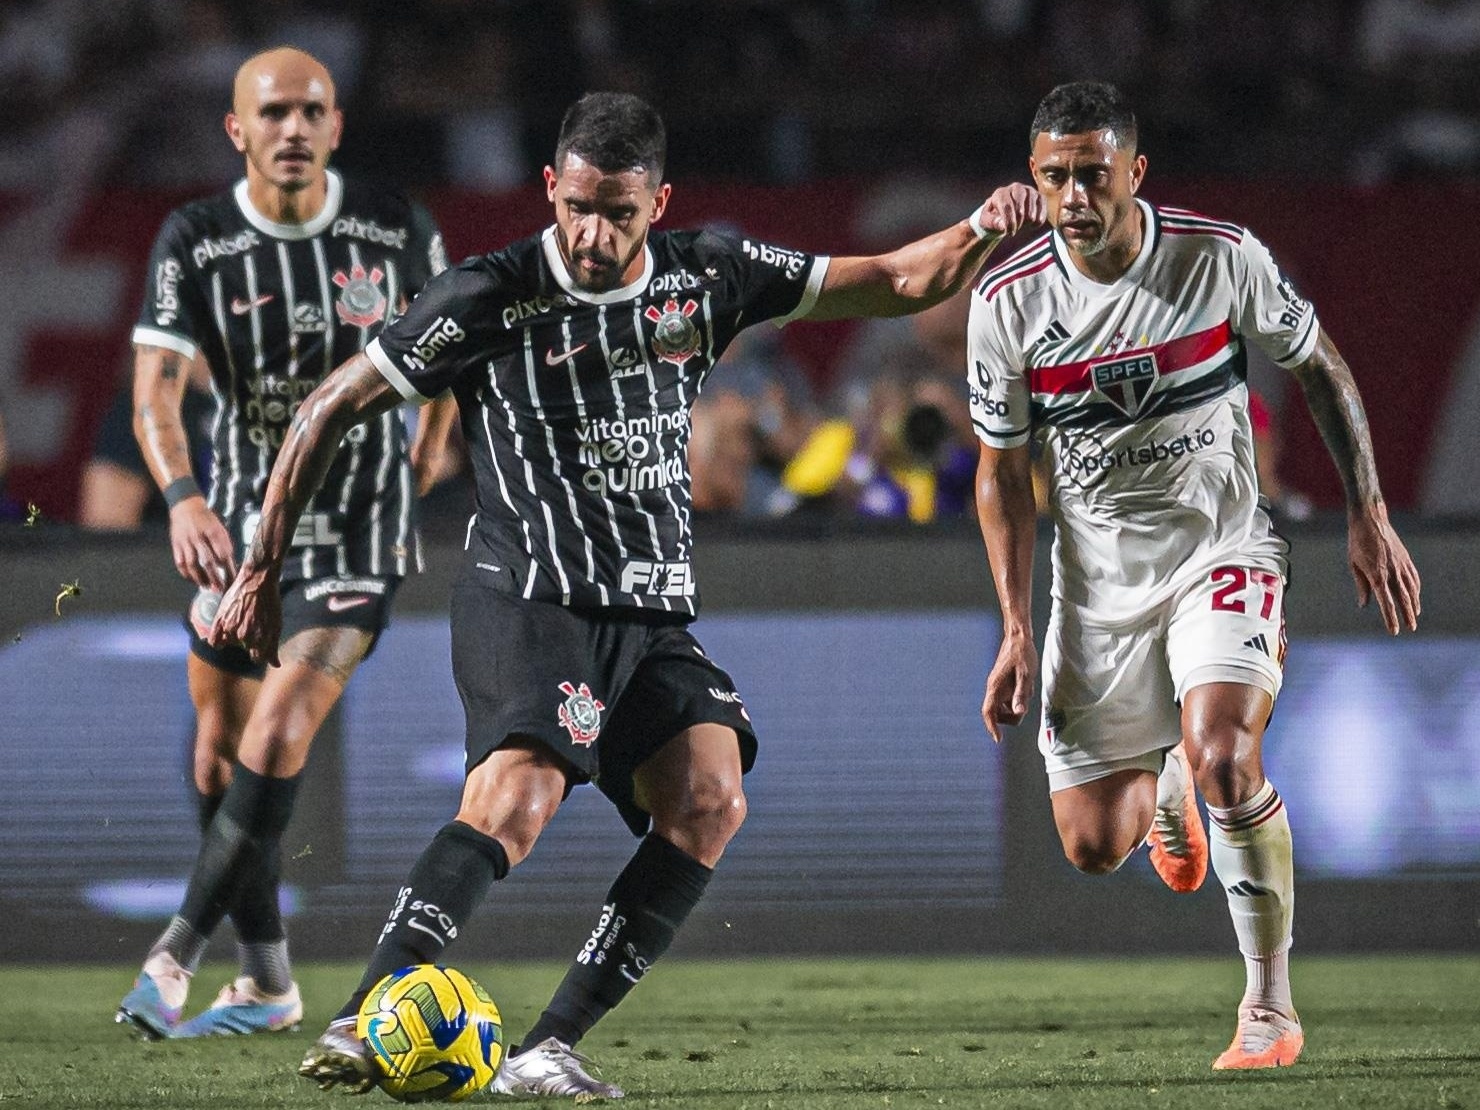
614, 132
1085, 106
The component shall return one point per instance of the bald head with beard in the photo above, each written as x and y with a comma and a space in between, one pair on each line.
284, 120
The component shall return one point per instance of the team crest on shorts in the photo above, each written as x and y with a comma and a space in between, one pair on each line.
581, 714
676, 338
361, 303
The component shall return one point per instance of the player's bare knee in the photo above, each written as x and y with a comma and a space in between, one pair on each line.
1095, 856
704, 821
1225, 763
512, 798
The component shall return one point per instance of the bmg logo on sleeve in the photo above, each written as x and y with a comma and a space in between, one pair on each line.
657, 579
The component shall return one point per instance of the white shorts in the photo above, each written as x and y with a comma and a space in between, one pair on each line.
1112, 696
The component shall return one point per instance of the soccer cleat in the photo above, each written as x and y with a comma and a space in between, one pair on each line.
243, 1007
551, 1068
1179, 843
338, 1056
145, 1007
1264, 1039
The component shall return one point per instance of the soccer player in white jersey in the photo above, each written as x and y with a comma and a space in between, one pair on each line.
1116, 342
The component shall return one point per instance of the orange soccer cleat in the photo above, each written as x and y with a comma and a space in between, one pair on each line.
1264, 1039
1179, 843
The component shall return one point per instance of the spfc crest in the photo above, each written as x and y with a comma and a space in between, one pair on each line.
581, 714
676, 338
1126, 382
361, 303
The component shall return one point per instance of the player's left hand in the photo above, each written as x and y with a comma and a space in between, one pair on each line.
1383, 569
1013, 207
251, 615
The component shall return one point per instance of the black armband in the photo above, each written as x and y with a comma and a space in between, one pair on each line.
179, 490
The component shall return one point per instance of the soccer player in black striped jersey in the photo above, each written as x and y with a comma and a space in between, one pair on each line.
1116, 342
575, 357
271, 285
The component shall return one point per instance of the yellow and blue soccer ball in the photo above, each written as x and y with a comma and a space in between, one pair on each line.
435, 1034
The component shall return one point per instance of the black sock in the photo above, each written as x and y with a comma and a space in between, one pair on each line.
206, 806
644, 909
445, 885
242, 840
254, 911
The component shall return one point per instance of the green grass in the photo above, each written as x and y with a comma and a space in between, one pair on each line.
832, 1034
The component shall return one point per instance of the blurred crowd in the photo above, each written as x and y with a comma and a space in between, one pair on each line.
469, 91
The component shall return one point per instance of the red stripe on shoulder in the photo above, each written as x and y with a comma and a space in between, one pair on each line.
1028, 271
1031, 252
1168, 229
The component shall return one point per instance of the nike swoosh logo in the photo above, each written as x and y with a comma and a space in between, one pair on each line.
241, 307
339, 604
552, 359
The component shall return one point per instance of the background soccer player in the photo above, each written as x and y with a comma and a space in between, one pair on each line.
575, 357
1117, 341
271, 284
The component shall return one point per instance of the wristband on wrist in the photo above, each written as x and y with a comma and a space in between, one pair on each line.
981, 232
179, 490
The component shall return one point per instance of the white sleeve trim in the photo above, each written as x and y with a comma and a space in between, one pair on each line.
390, 373
1001, 442
810, 292
1307, 345
170, 341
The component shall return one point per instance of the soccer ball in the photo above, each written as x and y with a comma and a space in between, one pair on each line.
435, 1034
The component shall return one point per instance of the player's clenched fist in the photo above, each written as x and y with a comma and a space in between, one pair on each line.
1011, 208
251, 615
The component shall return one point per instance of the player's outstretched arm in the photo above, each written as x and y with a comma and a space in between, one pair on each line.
251, 611
1007, 514
929, 270
199, 541
1379, 561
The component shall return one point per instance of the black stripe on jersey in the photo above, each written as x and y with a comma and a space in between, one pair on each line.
1183, 217
1103, 414
1028, 254
997, 433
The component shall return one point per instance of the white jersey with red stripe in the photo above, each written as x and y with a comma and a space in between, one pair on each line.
1135, 392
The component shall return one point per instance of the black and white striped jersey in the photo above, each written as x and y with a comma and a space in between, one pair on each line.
575, 405
273, 308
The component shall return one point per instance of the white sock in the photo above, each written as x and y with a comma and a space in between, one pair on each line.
1249, 847
1171, 784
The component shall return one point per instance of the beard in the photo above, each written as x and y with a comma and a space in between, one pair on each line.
1092, 247
608, 273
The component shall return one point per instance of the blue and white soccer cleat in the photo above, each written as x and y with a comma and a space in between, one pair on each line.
145, 1009
242, 1007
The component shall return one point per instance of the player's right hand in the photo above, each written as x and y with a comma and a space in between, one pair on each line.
1010, 685
200, 544
251, 616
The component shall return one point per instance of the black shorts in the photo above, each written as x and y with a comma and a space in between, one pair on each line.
602, 691
348, 602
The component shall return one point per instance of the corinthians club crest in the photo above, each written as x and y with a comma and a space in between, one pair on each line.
581, 714
361, 303
676, 338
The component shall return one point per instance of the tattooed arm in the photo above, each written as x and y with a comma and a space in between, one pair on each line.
1379, 562
198, 540
251, 611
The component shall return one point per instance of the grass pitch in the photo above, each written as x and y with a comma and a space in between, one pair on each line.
833, 1034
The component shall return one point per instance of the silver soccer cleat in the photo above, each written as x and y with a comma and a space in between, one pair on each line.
340, 1057
551, 1068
